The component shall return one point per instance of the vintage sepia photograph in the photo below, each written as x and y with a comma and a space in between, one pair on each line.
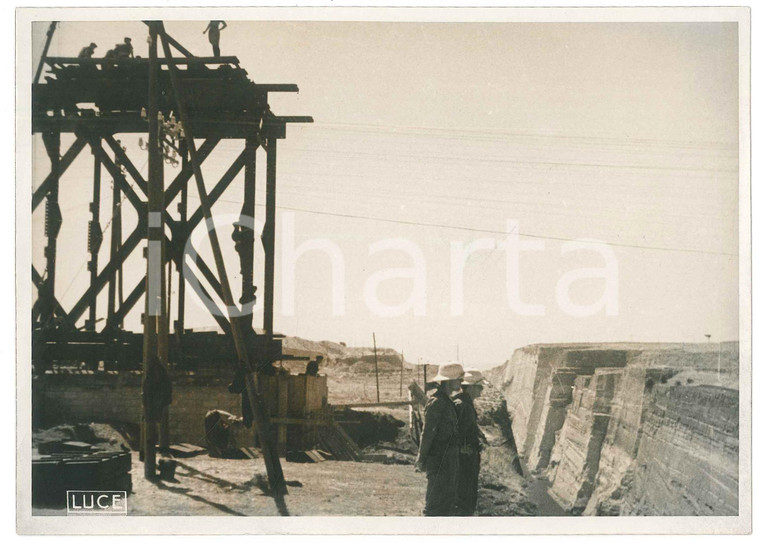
342, 264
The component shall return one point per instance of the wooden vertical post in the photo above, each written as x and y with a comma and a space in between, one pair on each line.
269, 236
401, 383
377, 371
94, 239
282, 412
142, 438
164, 313
38, 72
164, 436
52, 141
180, 326
153, 289
168, 294
115, 244
246, 242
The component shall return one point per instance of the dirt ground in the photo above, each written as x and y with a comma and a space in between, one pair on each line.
207, 486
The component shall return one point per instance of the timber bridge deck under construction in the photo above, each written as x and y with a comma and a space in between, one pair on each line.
176, 99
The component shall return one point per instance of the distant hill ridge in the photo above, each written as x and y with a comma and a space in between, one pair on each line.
336, 352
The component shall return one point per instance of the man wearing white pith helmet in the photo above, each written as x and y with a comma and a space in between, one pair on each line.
471, 440
439, 443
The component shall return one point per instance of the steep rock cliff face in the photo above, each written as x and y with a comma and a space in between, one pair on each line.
629, 429
621, 443
578, 450
688, 454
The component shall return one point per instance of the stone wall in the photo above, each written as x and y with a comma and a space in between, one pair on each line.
688, 457
538, 387
530, 391
629, 429
621, 442
554, 408
110, 397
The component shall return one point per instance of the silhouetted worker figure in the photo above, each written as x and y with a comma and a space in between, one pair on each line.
124, 50
220, 436
120, 51
471, 442
87, 52
213, 29
312, 367
438, 455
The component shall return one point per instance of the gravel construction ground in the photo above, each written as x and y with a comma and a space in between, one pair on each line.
206, 486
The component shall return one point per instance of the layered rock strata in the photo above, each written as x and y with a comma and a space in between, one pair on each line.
629, 429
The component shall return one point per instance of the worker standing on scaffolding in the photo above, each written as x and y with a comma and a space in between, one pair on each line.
471, 442
88, 51
213, 29
124, 50
438, 455
120, 51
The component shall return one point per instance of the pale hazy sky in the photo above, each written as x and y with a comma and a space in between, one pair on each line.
626, 133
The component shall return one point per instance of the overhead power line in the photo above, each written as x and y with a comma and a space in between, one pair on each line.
496, 133
489, 231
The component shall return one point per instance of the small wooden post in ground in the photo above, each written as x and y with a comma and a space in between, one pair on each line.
401, 383
377, 372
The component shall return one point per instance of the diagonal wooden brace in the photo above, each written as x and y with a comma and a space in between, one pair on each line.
66, 160
272, 462
124, 251
123, 159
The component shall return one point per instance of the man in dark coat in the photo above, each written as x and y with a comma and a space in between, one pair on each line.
471, 441
439, 443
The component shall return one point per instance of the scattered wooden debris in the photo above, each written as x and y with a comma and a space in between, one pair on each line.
314, 456
387, 404
335, 440
185, 450
249, 452
308, 456
375, 458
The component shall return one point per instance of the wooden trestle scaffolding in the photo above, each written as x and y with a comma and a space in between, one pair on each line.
213, 99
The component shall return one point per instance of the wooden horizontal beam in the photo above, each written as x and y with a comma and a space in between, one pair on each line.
203, 128
389, 404
291, 119
129, 61
275, 87
297, 421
